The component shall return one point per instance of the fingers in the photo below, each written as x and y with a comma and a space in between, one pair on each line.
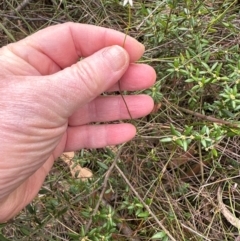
79, 84
137, 77
110, 108
92, 136
64, 44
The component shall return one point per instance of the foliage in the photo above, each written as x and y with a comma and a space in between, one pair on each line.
183, 152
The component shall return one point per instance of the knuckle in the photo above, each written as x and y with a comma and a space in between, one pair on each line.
88, 77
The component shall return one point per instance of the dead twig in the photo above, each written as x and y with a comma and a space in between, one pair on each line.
144, 204
83, 174
104, 187
210, 118
194, 231
21, 6
225, 212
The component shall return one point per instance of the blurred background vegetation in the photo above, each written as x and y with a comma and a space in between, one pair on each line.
179, 178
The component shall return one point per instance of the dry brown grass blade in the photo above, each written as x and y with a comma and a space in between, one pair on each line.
209, 118
145, 205
225, 212
85, 173
21, 5
104, 187
194, 232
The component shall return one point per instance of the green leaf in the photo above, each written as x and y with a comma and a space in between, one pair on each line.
159, 235
2, 238
139, 205
102, 165
25, 231
30, 209
188, 130
195, 87
166, 139
214, 66
228, 113
207, 131
179, 142
189, 80
174, 131
143, 215
165, 238
2, 225
214, 152
74, 236
185, 145
62, 211
206, 66
204, 143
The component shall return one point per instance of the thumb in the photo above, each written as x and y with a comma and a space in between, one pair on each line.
88, 78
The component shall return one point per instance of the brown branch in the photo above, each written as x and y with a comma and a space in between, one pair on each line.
210, 118
194, 231
123, 228
225, 212
21, 6
144, 204
104, 187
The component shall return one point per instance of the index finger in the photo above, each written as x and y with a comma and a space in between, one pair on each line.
66, 43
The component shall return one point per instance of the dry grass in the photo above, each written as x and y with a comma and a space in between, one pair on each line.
178, 187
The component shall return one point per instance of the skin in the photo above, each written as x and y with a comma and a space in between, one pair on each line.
48, 98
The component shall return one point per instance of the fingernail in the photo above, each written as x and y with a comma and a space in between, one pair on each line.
116, 57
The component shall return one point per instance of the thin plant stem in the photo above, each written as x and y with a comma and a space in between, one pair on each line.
144, 204
124, 41
104, 187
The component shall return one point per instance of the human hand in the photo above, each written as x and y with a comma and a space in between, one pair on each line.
48, 99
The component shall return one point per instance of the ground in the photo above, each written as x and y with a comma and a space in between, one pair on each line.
179, 178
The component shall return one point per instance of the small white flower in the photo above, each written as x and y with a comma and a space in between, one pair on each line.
128, 1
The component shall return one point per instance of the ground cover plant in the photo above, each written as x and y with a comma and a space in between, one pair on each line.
179, 178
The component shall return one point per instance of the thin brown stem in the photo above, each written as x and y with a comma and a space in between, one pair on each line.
144, 204
209, 118
104, 187
124, 41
